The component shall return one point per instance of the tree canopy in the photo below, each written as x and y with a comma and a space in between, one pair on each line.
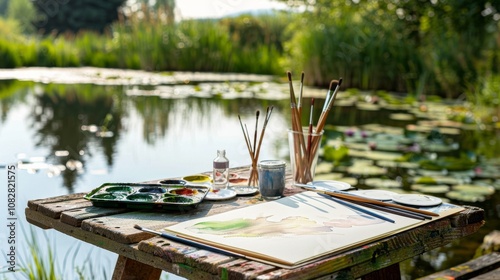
75, 15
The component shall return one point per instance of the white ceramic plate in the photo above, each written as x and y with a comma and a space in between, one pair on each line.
417, 200
330, 185
244, 190
220, 195
381, 195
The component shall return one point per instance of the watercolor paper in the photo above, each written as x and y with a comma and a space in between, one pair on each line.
295, 230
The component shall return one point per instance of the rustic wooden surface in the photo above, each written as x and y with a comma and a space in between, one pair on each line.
484, 267
113, 229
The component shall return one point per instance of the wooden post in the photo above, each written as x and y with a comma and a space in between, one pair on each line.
391, 272
129, 269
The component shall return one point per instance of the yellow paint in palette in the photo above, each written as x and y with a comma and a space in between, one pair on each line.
198, 179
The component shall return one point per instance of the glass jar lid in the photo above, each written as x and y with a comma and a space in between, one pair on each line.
268, 164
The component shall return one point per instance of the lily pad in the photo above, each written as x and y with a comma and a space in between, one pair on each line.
488, 172
367, 106
356, 146
436, 180
375, 155
348, 102
438, 147
427, 129
397, 107
402, 117
383, 129
475, 189
324, 167
328, 176
441, 123
448, 163
382, 183
366, 169
465, 197
430, 188
397, 164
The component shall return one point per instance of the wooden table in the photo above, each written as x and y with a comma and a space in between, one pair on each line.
143, 255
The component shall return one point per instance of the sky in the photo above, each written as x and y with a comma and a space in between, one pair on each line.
218, 8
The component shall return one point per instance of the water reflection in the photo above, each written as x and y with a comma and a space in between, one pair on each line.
58, 116
77, 122
135, 134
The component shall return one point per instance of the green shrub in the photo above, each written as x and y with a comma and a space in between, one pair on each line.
9, 56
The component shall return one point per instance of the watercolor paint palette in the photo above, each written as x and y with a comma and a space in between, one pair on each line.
148, 196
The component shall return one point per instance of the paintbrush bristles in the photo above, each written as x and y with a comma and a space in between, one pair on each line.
333, 84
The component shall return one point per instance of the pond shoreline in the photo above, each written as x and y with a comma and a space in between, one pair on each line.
111, 76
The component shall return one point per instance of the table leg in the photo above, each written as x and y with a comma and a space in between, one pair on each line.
128, 269
391, 272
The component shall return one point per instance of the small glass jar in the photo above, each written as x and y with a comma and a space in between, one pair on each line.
220, 171
271, 178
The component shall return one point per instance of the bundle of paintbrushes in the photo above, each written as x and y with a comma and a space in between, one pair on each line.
254, 149
304, 142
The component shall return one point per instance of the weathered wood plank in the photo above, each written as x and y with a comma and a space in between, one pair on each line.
471, 215
182, 254
54, 209
128, 269
127, 250
120, 227
391, 272
33, 204
492, 275
75, 217
241, 269
467, 270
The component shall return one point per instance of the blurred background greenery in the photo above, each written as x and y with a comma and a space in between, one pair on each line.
444, 47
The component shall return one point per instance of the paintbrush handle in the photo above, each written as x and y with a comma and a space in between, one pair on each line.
352, 197
357, 208
399, 212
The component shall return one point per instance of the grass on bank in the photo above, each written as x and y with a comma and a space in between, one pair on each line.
39, 261
368, 54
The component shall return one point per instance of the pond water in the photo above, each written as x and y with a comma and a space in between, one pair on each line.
70, 132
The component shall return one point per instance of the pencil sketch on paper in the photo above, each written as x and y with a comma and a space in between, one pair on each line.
292, 225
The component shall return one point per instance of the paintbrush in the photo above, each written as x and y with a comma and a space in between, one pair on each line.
392, 208
249, 147
255, 132
360, 209
400, 212
269, 111
352, 197
327, 98
298, 139
189, 242
247, 140
299, 103
309, 140
335, 85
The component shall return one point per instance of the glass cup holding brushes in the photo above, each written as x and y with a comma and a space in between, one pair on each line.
305, 142
255, 145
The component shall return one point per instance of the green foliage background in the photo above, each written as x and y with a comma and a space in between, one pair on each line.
422, 47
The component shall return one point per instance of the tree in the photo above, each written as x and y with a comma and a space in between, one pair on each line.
24, 12
62, 16
448, 41
3, 7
